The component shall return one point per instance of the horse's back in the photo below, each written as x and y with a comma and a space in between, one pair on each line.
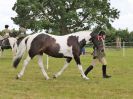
57, 46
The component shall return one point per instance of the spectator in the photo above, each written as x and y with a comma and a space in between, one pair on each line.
6, 32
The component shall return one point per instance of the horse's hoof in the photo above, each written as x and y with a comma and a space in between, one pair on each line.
17, 77
47, 78
54, 76
86, 78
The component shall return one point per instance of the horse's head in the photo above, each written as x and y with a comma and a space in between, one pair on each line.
98, 40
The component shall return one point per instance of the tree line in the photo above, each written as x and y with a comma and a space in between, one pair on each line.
66, 16
123, 34
111, 34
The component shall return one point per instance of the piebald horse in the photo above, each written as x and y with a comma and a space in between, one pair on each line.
67, 46
9, 43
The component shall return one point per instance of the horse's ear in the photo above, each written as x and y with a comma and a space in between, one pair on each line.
90, 39
101, 33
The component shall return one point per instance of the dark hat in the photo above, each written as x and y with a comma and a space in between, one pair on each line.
102, 33
6, 26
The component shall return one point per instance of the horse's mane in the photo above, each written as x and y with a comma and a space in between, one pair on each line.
69, 34
80, 32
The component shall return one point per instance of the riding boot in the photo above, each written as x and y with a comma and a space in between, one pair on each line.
104, 72
88, 70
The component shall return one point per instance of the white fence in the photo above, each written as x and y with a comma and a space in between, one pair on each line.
111, 45
120, 45
117, 46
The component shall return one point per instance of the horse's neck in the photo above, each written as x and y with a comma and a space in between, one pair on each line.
85, 35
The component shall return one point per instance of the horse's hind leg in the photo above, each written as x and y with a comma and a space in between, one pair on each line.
26, 61
40, 62
68, 60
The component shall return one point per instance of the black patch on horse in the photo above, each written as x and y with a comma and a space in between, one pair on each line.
73, 41
16, 62
26, 40
5, 44
44, 43
19, 40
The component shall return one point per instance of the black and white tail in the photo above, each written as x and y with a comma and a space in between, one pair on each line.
20, 52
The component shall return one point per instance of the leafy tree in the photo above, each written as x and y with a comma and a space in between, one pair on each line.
111, 35
124, 34
14, 33
1, 33
63, 16
131, 36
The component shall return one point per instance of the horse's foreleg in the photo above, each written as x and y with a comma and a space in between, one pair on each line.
77, 59
40, 62
26, 61
14, 51
68, 60
1, 51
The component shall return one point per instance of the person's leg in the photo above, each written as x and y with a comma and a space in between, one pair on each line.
93, 63
104, 62
83, 51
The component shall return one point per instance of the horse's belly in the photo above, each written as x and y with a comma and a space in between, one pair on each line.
68, 55
67, 52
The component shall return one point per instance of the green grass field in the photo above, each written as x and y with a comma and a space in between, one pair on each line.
69, 85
